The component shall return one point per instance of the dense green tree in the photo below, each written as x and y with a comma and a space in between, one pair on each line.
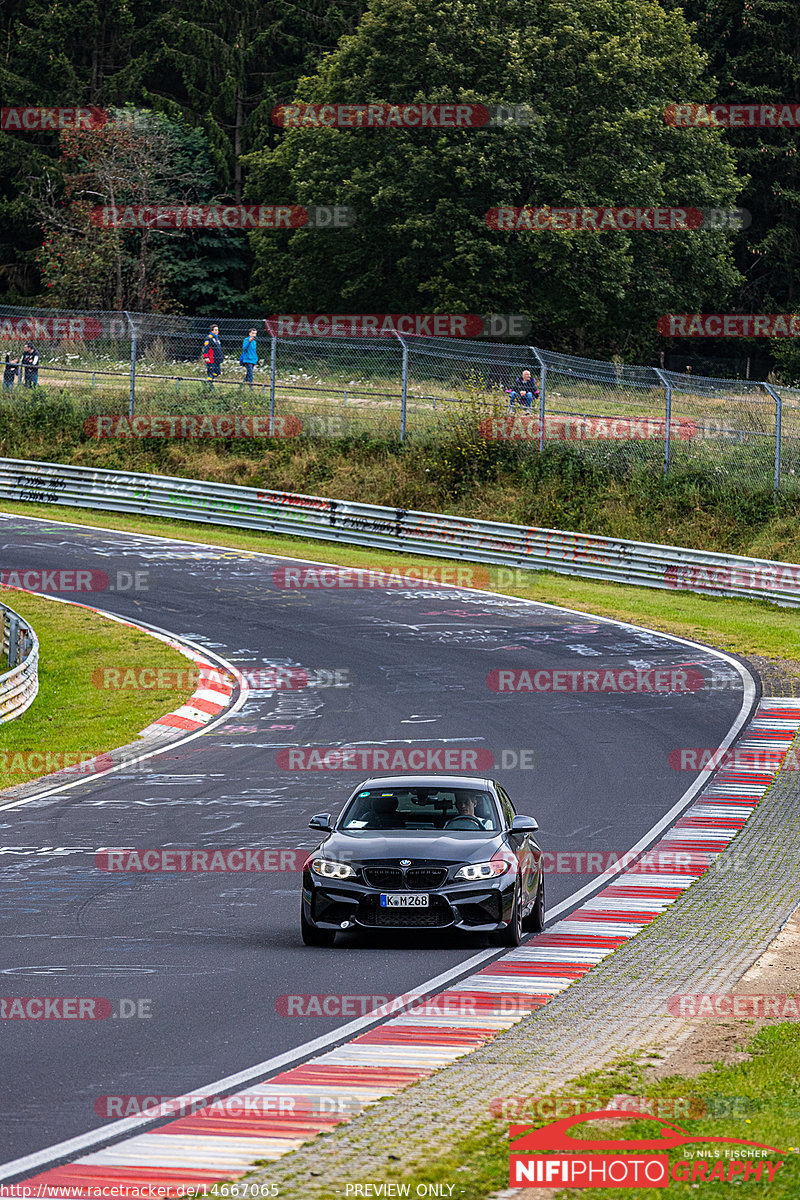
598, 75
754, 50
218, 68
138, 158
230, 64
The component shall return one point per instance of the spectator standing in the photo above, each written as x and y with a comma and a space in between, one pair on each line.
249, 356
9, 373
212, 354
524, 390
30, 362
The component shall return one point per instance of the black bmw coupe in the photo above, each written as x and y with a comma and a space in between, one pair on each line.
425, 852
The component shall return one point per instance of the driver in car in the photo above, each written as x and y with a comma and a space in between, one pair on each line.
465, 807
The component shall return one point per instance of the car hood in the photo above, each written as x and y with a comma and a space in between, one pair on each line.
391, 845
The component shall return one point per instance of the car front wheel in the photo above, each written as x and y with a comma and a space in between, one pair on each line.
535, 920
512, 935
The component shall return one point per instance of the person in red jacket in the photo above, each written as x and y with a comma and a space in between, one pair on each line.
212, 354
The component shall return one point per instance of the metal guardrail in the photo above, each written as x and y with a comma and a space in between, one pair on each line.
19, 647
641, 563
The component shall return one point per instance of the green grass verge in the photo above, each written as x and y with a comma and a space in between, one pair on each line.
71, 719
746, 627
755, 1101
717, 495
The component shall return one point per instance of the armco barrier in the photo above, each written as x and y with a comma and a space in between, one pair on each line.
19, 648
350, 523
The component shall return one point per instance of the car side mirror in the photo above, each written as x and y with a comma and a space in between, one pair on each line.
524, 825
321, 821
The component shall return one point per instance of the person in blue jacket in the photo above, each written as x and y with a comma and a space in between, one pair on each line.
249, 356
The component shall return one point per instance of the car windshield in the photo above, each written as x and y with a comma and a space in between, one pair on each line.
422, 808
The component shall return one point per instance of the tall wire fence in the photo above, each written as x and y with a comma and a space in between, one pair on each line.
142, 366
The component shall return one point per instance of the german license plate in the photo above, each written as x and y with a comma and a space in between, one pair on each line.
403, 900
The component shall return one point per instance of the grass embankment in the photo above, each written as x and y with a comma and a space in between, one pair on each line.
72, 719
714, 498
755, 1101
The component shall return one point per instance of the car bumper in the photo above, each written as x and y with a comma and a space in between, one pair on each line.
481, 907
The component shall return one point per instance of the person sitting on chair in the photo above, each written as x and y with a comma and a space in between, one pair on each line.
524, 390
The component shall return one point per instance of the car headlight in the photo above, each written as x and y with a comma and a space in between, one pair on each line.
484, 870
332, 870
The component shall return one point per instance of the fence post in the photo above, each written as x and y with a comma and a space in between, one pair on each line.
778, 398
273, 363
404, 387
13, 640
667, 416
132, 399
542, 392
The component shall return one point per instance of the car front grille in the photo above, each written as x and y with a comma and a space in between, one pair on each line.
415, 879
436, 915
384, 877
420, 878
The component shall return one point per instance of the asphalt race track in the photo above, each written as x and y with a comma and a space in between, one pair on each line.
210, 954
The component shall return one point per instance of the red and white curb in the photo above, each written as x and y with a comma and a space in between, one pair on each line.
215, 685
273, 1118
211, 696
212, 701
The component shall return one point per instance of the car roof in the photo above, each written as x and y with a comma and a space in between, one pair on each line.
459, 781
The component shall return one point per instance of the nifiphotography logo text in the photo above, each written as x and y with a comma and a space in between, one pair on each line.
552, 1157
